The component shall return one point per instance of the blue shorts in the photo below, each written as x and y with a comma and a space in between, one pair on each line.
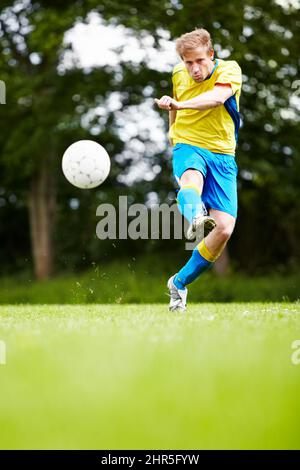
219, 172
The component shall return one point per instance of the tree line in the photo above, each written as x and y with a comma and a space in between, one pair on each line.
46, 107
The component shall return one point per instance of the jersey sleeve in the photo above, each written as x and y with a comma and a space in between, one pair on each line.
177, 78
174, 94
230, 75
174, 81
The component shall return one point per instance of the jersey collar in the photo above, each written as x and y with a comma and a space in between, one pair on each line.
215, 66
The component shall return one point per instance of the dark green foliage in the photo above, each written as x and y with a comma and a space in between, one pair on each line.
142, 279
45, 107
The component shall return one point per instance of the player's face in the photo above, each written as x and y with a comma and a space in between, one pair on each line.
199, 63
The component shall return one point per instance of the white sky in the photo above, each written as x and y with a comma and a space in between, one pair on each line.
96, 43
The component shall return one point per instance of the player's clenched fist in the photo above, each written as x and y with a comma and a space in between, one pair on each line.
166, 102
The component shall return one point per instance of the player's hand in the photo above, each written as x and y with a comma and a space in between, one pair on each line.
166, 102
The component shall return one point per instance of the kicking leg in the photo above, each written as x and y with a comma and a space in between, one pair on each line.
191, 206
189, 196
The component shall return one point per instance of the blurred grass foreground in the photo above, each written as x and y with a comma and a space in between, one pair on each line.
105, 377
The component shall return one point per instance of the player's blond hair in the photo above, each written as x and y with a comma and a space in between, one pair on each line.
189, 41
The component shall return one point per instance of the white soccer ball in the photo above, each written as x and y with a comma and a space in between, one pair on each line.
86, 164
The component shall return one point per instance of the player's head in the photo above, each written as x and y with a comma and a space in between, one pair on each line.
196, 51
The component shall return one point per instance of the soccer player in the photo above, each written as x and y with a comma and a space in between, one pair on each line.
204, 124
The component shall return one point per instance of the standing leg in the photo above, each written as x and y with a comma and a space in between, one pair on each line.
216, 240
208, 250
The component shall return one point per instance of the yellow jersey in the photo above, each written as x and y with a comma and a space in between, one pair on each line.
215, 129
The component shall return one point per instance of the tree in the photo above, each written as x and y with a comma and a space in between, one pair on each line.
47, 102
40, 116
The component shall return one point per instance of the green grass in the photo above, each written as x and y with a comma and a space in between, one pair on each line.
136, 376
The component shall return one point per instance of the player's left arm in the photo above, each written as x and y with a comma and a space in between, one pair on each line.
209, 99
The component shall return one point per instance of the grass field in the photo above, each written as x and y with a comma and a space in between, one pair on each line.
136, 376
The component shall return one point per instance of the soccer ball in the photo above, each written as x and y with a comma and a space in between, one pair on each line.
86, 164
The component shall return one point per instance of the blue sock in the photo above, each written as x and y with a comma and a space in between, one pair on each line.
195, 266
189, 201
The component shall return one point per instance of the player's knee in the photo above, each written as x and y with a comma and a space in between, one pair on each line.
224, 231
191, 177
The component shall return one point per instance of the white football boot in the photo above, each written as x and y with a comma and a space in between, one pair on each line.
177, 297
200, 226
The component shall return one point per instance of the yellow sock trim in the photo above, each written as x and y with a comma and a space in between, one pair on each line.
191, 186
204, 251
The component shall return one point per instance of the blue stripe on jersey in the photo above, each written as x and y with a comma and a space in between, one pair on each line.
232, 109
